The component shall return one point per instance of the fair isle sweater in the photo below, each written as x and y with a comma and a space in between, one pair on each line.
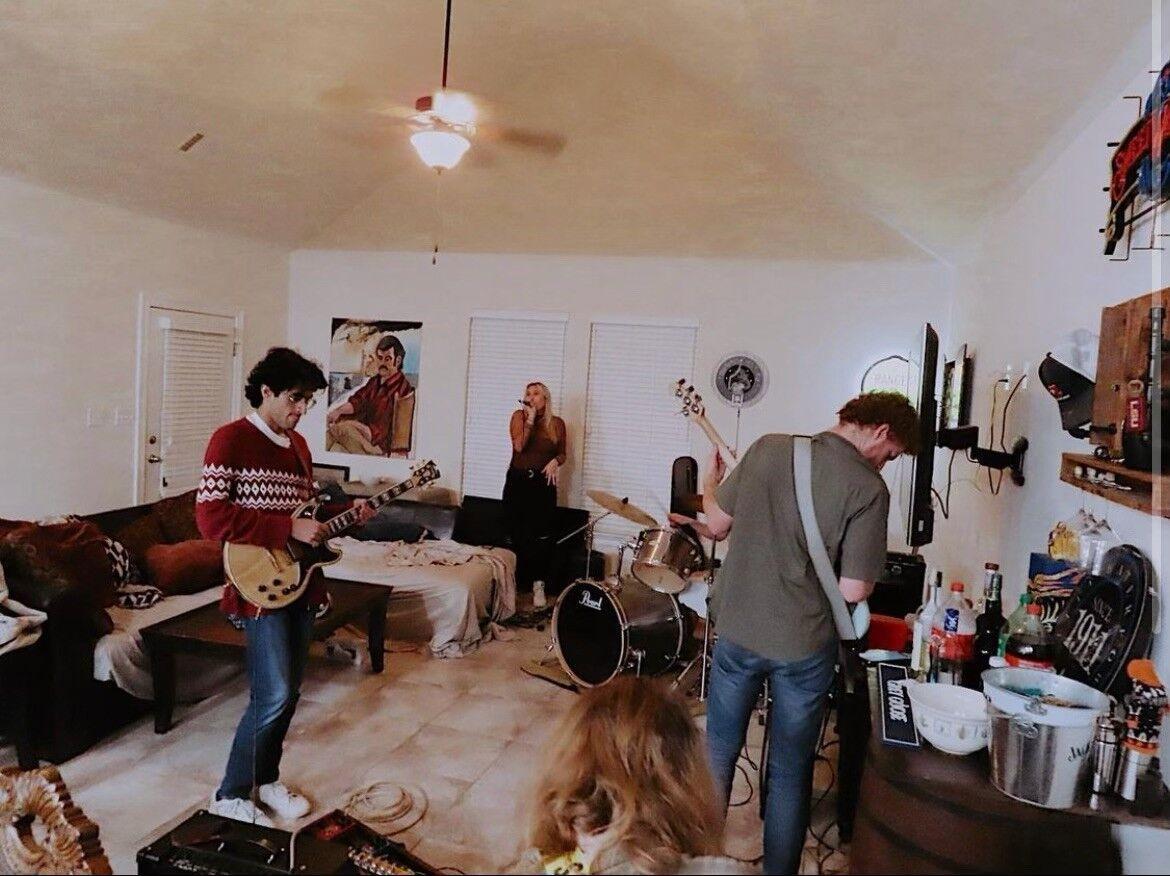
253, 479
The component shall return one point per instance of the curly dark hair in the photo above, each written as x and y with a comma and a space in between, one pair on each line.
281, 369
389, 342
885, 408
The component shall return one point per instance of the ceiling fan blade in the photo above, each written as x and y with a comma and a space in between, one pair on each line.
354, 98
539, 141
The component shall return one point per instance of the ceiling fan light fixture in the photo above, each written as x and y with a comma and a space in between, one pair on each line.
439, 150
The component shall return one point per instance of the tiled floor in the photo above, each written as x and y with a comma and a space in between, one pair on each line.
467, 733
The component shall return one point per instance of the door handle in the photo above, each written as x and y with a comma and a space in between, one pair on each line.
153, 457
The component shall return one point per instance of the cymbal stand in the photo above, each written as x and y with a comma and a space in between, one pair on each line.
589, 538
703, 658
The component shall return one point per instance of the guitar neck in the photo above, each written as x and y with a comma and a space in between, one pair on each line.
714, 437
346, 519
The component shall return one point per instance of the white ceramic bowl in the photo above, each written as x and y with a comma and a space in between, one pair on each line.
951, 718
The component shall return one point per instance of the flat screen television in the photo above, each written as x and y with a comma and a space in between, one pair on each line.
919, 510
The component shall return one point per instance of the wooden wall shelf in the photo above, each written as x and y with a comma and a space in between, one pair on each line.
1146, 489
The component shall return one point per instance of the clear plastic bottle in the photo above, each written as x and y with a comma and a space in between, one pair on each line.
1015, 621
1031, 647
953, 637
923, 619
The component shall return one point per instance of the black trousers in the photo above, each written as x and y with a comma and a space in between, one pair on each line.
529, 503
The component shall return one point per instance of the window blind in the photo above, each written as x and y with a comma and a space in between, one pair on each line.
505, 355
196, 400
633, 431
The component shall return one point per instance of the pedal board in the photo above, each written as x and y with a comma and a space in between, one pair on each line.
334, 843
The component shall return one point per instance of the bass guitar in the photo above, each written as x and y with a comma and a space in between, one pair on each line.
275, 578
694, 409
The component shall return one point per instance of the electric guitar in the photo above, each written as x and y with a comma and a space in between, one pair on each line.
694, 409
275, 578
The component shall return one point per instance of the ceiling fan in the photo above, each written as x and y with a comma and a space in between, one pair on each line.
444, 123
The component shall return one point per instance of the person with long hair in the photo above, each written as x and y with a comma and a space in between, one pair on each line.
539, 449
624, 787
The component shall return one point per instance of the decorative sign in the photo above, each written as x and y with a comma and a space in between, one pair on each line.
897, 719
1107, 622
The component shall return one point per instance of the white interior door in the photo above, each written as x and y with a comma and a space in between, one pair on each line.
188, 391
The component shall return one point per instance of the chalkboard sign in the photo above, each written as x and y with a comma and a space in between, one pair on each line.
897, 719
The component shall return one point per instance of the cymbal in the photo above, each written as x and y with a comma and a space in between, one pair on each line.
621, 507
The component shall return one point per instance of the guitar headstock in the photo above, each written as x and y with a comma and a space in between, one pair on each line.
424, 472
692, 402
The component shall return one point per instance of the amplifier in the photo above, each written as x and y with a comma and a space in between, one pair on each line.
335, 843
898, 592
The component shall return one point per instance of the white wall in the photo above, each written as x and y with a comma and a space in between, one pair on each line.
69, 289
1040, 278
817, 326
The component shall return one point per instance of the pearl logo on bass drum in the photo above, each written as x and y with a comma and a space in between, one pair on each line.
594, 603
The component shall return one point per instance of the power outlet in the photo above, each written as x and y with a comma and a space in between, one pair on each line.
96, 416
123, 415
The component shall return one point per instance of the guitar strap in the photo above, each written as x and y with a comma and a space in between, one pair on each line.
802, 480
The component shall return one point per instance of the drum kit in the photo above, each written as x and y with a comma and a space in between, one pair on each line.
638, 622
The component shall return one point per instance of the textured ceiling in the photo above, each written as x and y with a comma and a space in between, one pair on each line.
811, 129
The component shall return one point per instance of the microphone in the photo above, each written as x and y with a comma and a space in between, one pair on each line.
522, 402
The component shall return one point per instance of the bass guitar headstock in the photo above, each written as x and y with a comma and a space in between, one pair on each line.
692, 402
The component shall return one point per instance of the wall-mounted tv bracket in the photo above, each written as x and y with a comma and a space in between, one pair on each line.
967, 438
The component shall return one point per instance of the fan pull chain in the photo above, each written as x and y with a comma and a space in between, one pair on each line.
438, 217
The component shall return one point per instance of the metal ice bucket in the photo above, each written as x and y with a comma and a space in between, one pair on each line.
1039, 763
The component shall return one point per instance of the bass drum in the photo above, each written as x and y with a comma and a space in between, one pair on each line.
601, 630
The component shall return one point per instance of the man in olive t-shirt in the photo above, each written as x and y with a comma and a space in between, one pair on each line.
770, 610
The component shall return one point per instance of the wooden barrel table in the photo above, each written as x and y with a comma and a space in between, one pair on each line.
922, 811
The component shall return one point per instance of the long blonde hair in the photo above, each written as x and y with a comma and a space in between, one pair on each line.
627, 759
547, 419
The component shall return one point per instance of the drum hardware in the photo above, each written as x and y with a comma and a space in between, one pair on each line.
588, 535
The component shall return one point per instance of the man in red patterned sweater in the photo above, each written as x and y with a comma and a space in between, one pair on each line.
256, 472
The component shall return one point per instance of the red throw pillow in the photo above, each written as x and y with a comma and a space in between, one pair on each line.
186, 567
77, 549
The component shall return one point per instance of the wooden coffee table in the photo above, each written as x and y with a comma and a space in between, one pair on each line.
206, 630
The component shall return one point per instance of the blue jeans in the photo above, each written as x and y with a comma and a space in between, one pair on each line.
799, 690
278, 649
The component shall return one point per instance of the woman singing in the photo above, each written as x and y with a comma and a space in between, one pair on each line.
530, 490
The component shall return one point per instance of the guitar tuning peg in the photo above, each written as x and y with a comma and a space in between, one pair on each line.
695, 408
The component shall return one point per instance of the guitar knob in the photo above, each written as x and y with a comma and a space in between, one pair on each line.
263, 588
272, 597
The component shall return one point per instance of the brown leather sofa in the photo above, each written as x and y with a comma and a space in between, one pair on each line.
72, 710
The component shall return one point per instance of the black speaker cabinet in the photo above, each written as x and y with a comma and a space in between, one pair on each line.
899, 590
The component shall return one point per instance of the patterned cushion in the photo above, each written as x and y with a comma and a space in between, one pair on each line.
129, 589
122, 565
136, 596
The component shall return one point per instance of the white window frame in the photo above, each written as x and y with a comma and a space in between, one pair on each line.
633, 433
492, 394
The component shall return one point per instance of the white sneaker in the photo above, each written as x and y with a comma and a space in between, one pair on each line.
240, 810
287, 804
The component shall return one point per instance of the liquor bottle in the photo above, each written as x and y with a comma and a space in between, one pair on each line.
1031, 647
987, 628
953, 630
1015, 621
989, 569
924, 618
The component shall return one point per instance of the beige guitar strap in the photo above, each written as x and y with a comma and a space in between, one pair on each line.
802, 480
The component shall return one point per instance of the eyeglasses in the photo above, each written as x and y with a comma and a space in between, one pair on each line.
294, 397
